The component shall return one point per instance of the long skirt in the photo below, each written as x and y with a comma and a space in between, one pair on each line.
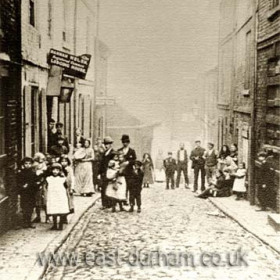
83, 178
116, 190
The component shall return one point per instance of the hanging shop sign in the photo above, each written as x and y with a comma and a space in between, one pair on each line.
72, 65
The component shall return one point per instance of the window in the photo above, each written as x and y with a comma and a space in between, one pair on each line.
248, 61
275, 3
64, 33
50, 18
32, 12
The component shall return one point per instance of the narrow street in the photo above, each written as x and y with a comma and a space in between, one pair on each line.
172, 221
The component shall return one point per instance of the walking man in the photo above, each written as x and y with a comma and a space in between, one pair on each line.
198, 163
211, 161
182, 166
170, 168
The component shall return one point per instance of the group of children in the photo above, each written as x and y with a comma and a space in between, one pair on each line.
45, 183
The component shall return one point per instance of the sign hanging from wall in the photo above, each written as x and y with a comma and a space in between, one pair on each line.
72, 65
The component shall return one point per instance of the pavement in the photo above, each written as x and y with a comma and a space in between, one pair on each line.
19, 248
119, 246
246, 216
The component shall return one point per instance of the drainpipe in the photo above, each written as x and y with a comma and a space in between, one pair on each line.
252, 190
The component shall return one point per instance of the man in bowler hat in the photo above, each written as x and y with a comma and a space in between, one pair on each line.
170, 167
130, 157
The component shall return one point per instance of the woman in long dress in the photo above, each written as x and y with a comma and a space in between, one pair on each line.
83, 172
148, 169
159, 168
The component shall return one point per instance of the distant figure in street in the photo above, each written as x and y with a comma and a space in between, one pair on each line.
182, 166
217, 188
28, 187
135, 191
211, 161
224, 153
83, 170
40, 168
59, 134
98, 149
239, 185
51, 134
170, 167
148, 169
107, 156
130, 157
79, 138
198, 165
234, 153
264, 182
57, 199
59, 149
159, 168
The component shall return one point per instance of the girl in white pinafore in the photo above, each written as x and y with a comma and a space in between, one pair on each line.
57, 199
239, 186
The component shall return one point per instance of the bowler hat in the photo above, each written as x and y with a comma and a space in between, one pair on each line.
108, 140
125, 138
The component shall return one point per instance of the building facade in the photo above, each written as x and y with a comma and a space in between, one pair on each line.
70, 27
10, 108
268, 88
236, 78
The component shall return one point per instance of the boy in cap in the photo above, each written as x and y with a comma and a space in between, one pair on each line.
170, 167
136, 187
28, 187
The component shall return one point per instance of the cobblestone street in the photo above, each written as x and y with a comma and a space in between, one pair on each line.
171, 221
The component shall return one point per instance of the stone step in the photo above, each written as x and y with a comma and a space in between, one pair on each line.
274, 221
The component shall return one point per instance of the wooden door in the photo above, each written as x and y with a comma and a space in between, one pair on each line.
27, 120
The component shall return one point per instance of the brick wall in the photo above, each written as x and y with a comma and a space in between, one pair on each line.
10, 43
268, 38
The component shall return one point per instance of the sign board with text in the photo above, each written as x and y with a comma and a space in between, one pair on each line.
72, 65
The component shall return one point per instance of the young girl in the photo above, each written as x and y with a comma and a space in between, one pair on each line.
70, 179
148, 169
239, 182
57, 199
40, 168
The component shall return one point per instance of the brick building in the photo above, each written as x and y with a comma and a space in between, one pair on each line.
268, 86
68, 26
10, 106
236, 82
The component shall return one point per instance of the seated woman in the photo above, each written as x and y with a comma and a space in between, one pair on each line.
218, 187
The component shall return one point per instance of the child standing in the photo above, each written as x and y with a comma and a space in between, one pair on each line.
70, 179
28, 187
170, 167
57, 200
240, 180
40, 168
136, 188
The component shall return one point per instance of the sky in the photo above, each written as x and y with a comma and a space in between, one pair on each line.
157, 50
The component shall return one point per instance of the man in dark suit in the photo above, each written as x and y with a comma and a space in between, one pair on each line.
182, 166
198, 163
170, 167
51, 134
106, 157
59, 134
130, 157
